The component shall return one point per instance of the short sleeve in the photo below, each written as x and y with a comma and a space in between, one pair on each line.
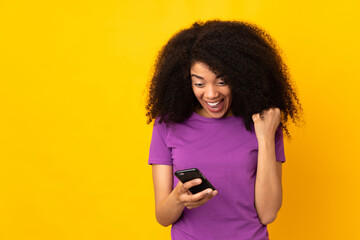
159, 152
279, 145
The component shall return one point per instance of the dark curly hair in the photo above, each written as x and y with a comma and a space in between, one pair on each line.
242, 52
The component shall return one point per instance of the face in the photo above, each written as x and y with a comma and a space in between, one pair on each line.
211, 91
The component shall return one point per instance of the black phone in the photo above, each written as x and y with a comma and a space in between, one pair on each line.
190, 174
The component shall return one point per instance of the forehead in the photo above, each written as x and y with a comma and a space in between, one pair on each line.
201, 68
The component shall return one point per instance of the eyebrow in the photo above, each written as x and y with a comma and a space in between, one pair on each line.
218, 76
193, 75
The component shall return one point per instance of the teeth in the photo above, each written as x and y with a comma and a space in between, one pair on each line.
213, 104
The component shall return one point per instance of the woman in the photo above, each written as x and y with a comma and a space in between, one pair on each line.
220, 97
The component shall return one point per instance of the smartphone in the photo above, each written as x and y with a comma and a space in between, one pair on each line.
190, 174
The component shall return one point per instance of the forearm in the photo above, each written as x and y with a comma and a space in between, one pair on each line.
268, 188
169, 210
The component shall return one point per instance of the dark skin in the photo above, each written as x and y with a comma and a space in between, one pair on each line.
170, 203
242, 74
245, 57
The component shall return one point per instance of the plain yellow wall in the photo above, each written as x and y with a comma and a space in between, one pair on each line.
73, 136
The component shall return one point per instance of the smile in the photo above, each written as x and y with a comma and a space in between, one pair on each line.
213, 104
215, 107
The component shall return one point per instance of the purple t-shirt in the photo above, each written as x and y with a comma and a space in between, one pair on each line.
226, 153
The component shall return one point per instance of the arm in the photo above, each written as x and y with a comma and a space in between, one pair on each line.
170, 203
268, 187
167, 208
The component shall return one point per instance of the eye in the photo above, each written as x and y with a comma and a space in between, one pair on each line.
222, 83
199, 85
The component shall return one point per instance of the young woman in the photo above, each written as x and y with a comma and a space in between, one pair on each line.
220, 97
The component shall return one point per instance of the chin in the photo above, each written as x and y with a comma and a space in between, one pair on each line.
212, 114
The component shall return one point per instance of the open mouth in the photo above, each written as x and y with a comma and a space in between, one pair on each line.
215, 106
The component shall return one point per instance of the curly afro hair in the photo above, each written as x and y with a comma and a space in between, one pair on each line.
242, 52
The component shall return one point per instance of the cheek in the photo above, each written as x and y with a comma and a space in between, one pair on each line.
228, 94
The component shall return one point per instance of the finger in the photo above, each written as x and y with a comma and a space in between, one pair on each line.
204, 200
215, 192
273, 110
200, 202
191, 205
191, 183
255, 117
262, 115
192, 198
180, 188
184, 187
277, 111
201, 195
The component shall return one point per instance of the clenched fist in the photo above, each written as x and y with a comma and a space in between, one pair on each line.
266, 123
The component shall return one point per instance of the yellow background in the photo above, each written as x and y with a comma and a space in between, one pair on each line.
73, 136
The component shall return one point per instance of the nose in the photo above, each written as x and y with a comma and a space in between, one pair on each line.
211, 92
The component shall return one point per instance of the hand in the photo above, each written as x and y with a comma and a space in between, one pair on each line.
193, 200
266, 123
